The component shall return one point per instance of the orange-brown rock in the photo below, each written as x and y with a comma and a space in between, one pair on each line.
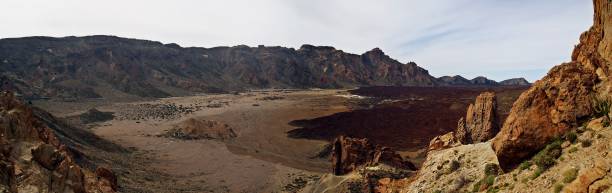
107, 178
481, 120
47, 156
348, 154
555, 103
480, 124
51, 168
587, 178
445, 141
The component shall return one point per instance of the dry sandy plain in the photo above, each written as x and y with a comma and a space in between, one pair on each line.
260, 159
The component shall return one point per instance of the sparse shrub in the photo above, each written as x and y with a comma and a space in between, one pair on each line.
570, 175
573, 149
525, 165
571, 137
601, 107
546, 158
558, 188
489, 180
454, 166
537, 173
437, 191
586, 143
493, 190
491, 169
485, 183
476, 187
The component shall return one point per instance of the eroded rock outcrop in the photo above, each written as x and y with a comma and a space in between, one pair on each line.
480, 124
33, 159
558, 101
348, 154
481, 120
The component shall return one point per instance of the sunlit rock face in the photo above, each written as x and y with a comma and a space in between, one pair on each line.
556, 103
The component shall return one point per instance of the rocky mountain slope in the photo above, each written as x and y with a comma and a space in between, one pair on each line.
555, 139
96, 66
40, 154
108, 66
479, 81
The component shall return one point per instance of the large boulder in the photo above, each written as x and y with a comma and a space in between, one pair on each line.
47, 156
558, 101
349, 153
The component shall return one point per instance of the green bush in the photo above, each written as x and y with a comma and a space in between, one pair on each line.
573, 149
546, 157
570, 175
486, 182
537, 173
525, 165
571, 137
558, 188
489, 180
601, 107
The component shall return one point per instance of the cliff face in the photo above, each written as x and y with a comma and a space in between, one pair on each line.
563, 97
92, 66
481, 121
34, 159
348, 154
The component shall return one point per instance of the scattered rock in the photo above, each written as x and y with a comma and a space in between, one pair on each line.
200, 129
349, 153
588, 176
94, 115
443, 142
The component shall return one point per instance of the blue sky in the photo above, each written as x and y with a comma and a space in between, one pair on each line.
499, 39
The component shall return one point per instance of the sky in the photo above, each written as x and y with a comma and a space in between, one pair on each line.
499, 39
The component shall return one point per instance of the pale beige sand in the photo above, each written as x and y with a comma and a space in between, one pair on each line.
261, 159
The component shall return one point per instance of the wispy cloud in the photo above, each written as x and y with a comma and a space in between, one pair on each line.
495, 38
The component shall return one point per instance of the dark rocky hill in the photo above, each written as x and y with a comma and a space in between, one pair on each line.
515, 82
105, 66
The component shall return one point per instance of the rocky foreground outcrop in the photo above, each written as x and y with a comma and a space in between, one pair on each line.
560, 100
35, 160
481, 120
480, 124
348, 154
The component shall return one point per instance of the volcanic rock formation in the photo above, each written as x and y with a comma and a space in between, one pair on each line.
95, 66
515, 82
563, 97
348, 154
480, 124
481, 121
35, 160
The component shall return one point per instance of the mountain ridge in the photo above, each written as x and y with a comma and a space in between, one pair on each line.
111, 66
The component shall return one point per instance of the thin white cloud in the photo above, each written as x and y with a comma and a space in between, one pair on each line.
496, 38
